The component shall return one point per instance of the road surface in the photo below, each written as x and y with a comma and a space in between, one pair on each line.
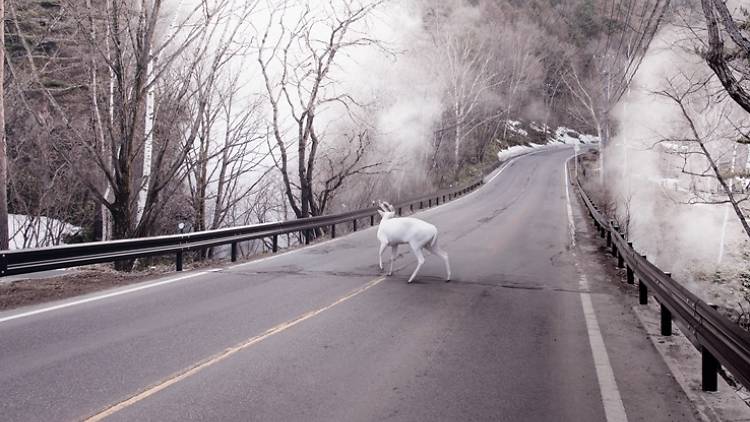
530, 329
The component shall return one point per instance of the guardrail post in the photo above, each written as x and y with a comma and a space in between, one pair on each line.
234, 251
275, 247
429, 204
666, 321
307, 237
333, 231
642, 291
420, 205
710, 370
411, 207
666, 317
399, 211
609, 240
354, 225
3, 265
630, 275
178, 261
437, 201
372, 218
621, 261
444, 198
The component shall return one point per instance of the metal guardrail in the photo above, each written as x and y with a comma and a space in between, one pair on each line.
720, 341
24, 261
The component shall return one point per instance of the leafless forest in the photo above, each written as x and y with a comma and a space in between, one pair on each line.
127, 117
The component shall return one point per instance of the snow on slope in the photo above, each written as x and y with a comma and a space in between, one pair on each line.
32, 232
561, 135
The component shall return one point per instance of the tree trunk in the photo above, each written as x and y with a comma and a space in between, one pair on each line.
4, 240
148, 134
457, 145
121, 227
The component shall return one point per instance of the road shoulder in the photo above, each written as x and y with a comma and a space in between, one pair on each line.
658, 376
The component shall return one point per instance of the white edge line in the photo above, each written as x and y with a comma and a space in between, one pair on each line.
99, 297
614, 409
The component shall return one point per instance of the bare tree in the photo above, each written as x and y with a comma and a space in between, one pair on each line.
228, 161
731, 65
296, 63
112, 150
713, 128
612, 59
470, 73
344, 163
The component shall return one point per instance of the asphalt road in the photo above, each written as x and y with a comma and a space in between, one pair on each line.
319, 335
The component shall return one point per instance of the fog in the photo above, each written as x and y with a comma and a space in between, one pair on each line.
654, 175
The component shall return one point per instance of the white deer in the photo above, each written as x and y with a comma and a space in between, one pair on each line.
394, 231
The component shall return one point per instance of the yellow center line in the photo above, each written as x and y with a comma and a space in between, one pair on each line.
179, 376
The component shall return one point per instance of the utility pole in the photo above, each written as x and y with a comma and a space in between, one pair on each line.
4, 235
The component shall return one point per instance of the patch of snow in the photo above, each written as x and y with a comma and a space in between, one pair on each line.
512, 152
539, 128
572, 137
517, 150
33, 231
514, 126
674, 147
562, 136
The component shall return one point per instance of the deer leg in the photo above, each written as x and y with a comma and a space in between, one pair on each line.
435, 249
420, 260
380, 255
394, 250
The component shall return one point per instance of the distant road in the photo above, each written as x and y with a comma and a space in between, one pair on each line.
528, 330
